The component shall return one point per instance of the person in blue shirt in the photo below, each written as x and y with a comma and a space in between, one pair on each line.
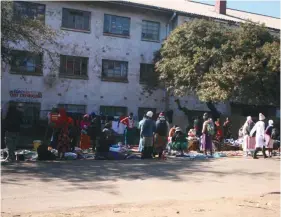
147, 132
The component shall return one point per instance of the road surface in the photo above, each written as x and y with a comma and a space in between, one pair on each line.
215, 187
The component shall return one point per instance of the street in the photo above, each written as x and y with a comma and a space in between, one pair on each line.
215, 187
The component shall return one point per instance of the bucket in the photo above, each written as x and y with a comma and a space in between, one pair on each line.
36, 144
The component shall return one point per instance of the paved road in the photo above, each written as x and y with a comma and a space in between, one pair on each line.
47, 186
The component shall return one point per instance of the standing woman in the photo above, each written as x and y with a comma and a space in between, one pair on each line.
247, 140
140, 126
268, 137
129, 131
259, 128
219, 134
85, 141
227, 129
206, 135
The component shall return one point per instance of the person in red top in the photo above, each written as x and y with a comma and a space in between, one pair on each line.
129, 131
63, 139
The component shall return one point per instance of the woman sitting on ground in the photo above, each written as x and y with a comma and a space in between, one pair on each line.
106, 140
179, 141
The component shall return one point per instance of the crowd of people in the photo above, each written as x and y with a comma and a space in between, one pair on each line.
95, 131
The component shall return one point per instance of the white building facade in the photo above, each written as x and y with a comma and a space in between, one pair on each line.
106, 50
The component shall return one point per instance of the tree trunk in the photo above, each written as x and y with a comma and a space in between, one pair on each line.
214, 112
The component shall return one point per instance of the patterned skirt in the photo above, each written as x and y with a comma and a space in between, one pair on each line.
206, 142
85, 142
160, 143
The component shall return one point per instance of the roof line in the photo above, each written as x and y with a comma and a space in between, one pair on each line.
233, 9
180, 12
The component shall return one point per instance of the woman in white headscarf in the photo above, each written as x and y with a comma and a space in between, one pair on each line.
259, 128
247, 142
268, 137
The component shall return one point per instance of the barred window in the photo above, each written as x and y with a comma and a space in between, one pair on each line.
113, 110
116, 25
28, 10
150, 30
73, 108
114, 69
25, 62
76, 19
145, 71
71, 65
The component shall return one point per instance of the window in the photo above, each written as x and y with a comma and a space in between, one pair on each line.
116, 25
142, 111
73, 108
24, 62
75, 19
146, 70
114, 69
113, 110
29, 10
76, 66
150, 30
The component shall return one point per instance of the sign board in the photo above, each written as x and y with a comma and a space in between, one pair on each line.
26, 94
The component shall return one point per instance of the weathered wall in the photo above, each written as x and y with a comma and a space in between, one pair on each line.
96, 46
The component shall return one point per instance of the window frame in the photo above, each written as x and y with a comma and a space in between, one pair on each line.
112, 78
27, 4
65, 105
38, 66
103, 107
141, 81
88, 30
152, 40
110, 33
68, 75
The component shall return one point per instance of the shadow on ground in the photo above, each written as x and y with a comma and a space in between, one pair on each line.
79, 172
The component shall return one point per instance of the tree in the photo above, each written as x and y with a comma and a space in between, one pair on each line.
18, 30
218, 63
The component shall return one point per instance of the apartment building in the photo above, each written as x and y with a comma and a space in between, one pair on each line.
106, 51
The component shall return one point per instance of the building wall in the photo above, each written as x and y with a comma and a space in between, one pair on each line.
93, 92
96, 46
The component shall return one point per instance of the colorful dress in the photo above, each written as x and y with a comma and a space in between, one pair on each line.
129, 130
85, 141
206, 138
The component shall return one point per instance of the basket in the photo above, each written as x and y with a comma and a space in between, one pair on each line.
36, 144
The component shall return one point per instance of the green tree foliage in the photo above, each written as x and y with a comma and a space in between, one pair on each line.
219, 63
31, 32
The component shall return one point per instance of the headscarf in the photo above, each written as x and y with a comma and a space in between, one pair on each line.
178, 129
249, 120
270, 123
261, 117
161, 116
149, 114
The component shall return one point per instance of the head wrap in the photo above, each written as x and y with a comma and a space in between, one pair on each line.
149, 114
261, 117
178, 129
270, 123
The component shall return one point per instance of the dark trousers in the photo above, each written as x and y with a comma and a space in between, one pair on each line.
260, 149
147, 153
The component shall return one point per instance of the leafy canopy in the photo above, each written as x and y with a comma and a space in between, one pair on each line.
23, 30
220, 63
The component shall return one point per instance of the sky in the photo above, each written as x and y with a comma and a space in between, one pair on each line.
265, 7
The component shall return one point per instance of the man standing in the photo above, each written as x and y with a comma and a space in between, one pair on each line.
147, 131
12, 126
259, 128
